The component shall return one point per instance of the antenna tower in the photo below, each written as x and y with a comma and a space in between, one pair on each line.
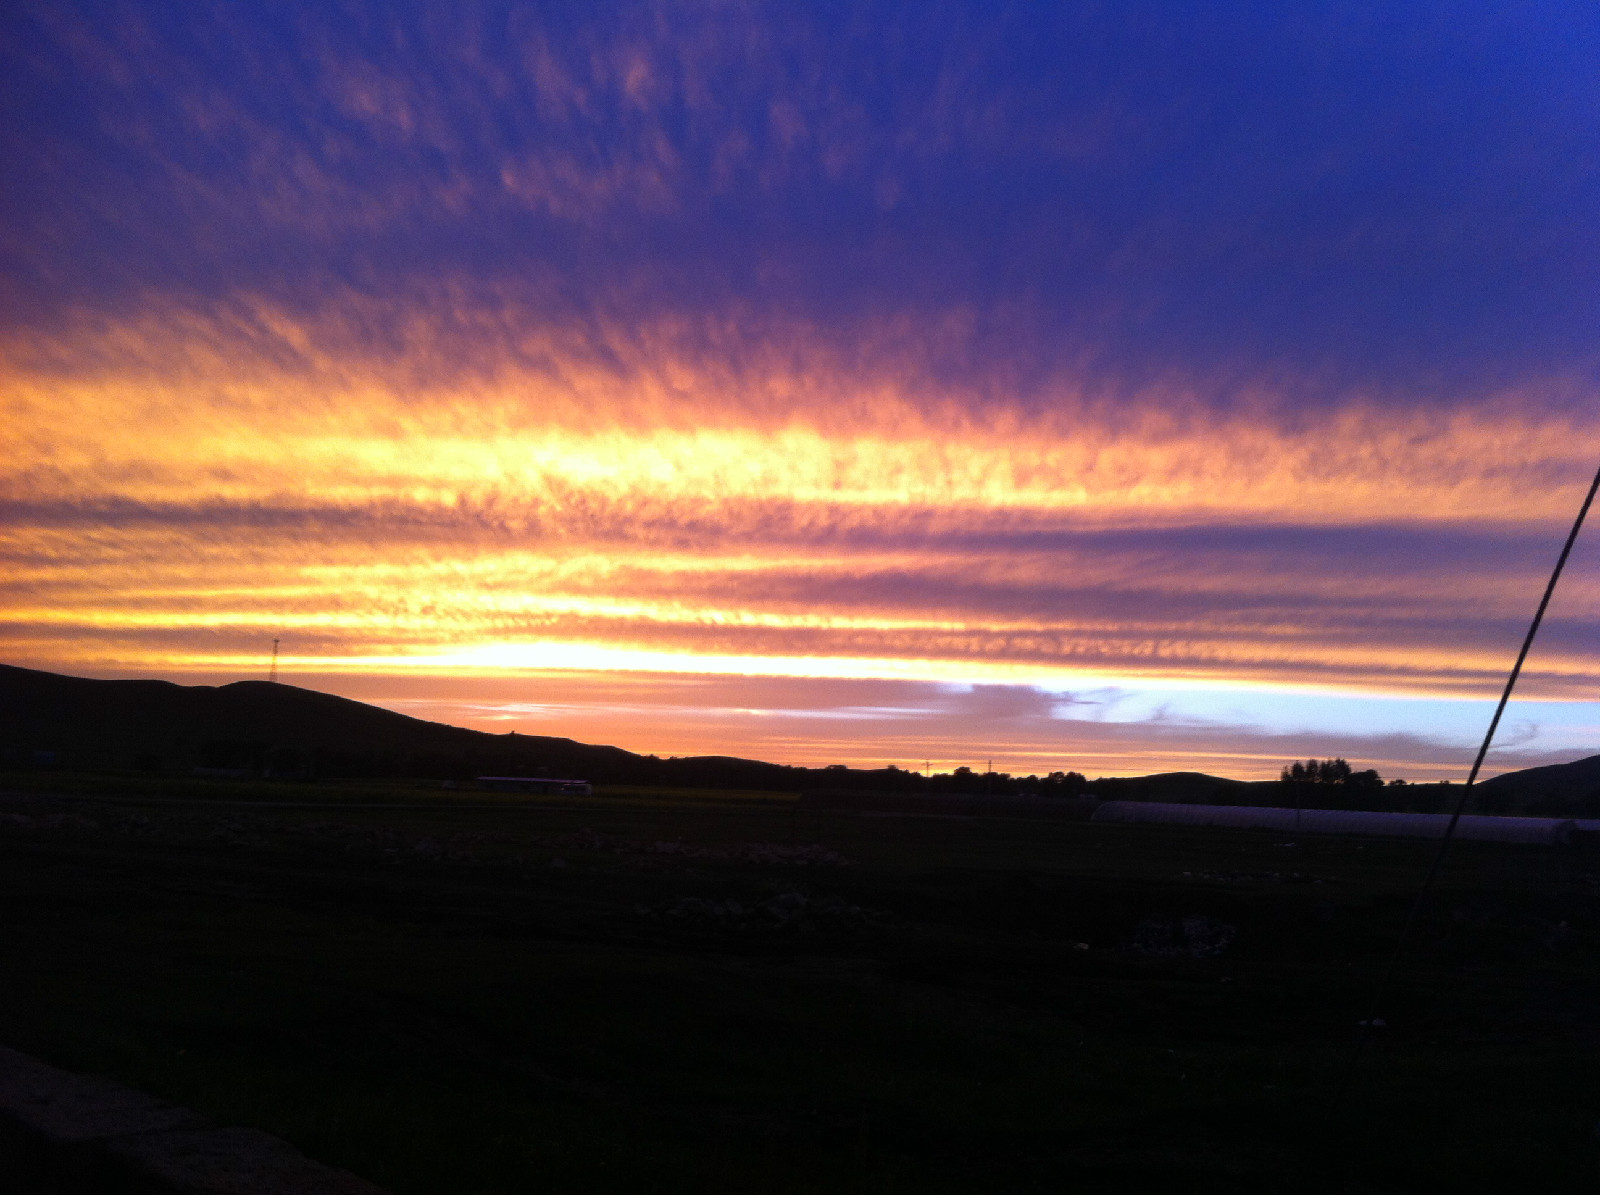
272, 673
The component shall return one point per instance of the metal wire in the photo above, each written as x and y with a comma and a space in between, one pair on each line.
1367, 1026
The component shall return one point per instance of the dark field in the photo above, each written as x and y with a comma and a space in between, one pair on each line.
715, 992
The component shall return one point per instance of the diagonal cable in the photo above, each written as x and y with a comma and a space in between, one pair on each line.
1461, 802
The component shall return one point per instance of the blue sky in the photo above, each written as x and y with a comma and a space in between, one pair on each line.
1193, 350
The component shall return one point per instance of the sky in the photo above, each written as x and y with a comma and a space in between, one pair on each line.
1101, 387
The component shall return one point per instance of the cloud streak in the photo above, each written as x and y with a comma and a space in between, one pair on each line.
959, 344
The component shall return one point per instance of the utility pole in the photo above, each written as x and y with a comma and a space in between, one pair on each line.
272, 674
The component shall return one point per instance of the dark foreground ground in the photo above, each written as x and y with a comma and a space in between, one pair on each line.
695, 992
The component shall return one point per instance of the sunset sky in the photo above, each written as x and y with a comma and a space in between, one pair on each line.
1119, 388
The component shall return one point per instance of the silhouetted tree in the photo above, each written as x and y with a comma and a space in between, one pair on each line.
1064, 784
1330, 771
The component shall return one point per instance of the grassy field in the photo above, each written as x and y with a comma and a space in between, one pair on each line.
681, 991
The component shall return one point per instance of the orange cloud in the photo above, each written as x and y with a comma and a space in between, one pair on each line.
181, 488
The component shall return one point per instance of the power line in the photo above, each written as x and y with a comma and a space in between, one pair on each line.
1371, 1023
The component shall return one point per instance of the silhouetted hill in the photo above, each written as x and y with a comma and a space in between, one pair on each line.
264, 726
1559, 788
279, 729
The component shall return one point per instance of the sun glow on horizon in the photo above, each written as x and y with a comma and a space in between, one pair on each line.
920, 361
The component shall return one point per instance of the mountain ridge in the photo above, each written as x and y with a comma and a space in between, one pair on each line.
268, 727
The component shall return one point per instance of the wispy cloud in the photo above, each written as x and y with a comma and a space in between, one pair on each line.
1020, 728
957, 344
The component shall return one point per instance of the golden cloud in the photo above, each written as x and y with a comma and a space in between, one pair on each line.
174, 478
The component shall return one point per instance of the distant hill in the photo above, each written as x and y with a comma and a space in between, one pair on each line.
262, 726
1559, 788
